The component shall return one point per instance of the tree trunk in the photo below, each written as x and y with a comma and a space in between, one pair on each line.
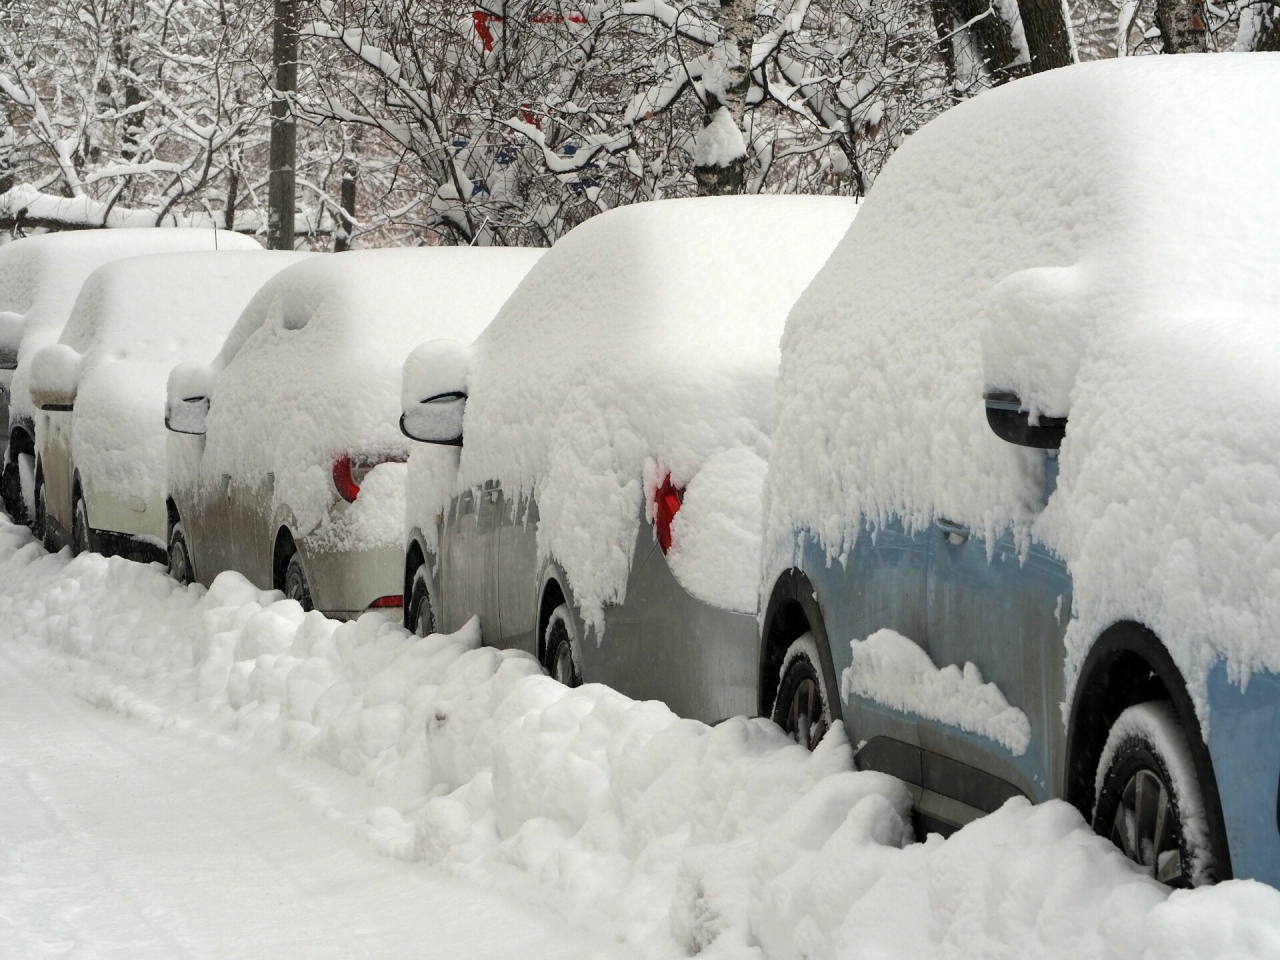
346, 222
720, 158
233, 189
1182, 26
1048, 33
280, 192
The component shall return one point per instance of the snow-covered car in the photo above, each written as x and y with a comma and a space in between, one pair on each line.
40, 278
595, 493
1023, 507
285, 461
100, 392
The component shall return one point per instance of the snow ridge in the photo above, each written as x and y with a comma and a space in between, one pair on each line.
896, 672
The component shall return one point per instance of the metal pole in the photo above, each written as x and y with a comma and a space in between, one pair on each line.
280, 191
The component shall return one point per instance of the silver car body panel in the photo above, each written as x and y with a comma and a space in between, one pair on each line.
659, 643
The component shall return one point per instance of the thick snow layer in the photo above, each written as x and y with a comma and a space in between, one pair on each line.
133, 320
715, 537
40, 278
1041, 237
667, 835
649, 332
896, 672
319, 351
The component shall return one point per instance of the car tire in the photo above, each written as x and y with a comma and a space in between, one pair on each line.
802, 707
1149, 799
559, 657
11, 491
81, 532
420, 617
180, 566
295, 582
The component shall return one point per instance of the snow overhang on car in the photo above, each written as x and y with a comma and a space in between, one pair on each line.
434, 393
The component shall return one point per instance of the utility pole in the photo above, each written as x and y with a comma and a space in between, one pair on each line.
280, 189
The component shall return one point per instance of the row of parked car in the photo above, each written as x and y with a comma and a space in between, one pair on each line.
989, 475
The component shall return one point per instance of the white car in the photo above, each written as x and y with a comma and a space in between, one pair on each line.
285, 461
100, 437
600, 505
40, 278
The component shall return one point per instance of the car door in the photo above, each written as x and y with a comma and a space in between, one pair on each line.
1004, 608
459, 566
517, 562
56, 462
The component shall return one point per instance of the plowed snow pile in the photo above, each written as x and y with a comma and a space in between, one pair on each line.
676, 837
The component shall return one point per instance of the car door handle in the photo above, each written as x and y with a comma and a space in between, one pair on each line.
957, 533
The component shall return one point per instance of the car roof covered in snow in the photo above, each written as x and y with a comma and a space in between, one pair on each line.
1100, 240
647, 334
312, 367
169, 307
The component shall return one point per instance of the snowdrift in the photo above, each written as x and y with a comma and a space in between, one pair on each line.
674, 837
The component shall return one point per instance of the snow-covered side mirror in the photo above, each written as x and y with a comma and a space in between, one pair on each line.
1032, 345
433, 398
187, 401
11, 325
55, 374
1010, 419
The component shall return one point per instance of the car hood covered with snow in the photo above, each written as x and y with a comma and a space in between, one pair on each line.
1100, 240
133, 320
40, 278
643, 344
311, 370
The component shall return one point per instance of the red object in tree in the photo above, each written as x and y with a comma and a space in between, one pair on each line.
482, 21
668, 502
551, 16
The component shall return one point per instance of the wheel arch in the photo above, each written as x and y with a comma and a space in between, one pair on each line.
1129, 664
793, 610
552, 595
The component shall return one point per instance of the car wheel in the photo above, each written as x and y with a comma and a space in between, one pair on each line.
11, 490
560, 660
81, 532
419, 616
803, 706
1149, 801
180, 567
295, 582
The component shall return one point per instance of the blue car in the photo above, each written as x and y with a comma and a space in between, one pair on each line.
1022, 515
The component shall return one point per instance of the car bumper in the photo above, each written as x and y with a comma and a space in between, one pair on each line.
346, 583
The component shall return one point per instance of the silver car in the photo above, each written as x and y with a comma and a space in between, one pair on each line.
284, 459
40, 278
100, 438
593, 492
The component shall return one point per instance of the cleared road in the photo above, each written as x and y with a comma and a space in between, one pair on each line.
117, 840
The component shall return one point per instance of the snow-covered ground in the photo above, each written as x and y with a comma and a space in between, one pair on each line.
152, 737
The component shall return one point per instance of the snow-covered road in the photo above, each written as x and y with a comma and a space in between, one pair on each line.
118, 840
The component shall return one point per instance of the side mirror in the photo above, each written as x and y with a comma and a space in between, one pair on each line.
186, 415
55, 374
1011, 422
11, 326
436, 419
437, 370
187, 402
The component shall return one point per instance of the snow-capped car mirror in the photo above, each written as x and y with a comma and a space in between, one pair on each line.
187, 401
11, 325
186, 415
1011, 421
433, 396
436, 419
55, 374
